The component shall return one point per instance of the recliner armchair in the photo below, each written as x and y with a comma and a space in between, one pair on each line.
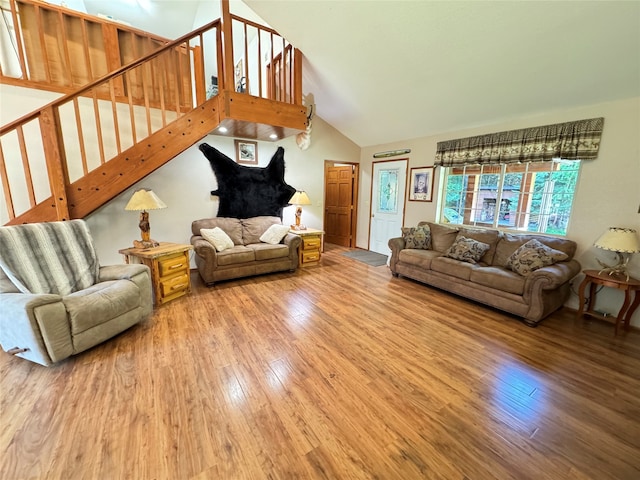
55, 298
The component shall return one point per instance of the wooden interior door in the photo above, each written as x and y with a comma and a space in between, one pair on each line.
339, 205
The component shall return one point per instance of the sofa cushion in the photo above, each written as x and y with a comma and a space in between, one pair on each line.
235, 255
231, 226
100, 303
441, 237
485, 235
266, 251
467, 249
417, 237
418, 257
533, 255
274, 234
509, 243
499, 278
217, 237
253, 228
454, 268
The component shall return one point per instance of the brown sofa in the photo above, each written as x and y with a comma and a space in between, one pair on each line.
532, 296
249, 255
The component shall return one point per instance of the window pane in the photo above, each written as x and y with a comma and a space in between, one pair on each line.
535, 197
454, 199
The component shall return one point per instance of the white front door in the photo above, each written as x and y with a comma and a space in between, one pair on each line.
387, 203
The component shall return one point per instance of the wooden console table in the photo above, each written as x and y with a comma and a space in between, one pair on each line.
621, 283
169, 264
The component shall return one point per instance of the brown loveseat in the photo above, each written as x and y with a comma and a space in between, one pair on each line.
532, 295
248, 255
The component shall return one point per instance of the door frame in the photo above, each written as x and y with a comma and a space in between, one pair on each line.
354, 197
404, 195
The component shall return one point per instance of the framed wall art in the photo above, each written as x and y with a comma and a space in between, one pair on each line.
246, 152
421, 187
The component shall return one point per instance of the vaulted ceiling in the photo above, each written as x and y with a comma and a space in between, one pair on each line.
385, 71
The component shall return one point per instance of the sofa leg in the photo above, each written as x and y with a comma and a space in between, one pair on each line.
210, 284
395, 274
530, 323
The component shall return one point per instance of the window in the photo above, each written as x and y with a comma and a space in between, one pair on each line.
532, 197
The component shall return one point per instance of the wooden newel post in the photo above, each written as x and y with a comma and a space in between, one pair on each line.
56, 161
227, 39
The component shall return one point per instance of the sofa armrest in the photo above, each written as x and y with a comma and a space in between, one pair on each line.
134, 272
293, 242
37, 324
550, 278
396, 245
204, 250
121, 272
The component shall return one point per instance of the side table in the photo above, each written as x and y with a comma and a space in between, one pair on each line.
310, 247
169, 264
613, 281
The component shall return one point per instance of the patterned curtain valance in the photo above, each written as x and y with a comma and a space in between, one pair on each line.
578, 140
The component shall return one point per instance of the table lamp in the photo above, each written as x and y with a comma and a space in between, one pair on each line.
621, 241
143, 200
298, 199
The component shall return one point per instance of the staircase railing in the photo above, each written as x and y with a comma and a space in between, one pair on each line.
81, 131
44, 152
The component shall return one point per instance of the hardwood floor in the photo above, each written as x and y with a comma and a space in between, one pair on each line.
338, 371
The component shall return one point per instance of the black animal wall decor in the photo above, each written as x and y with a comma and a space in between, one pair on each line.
246, 192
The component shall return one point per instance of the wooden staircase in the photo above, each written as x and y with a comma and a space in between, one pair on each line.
140, 116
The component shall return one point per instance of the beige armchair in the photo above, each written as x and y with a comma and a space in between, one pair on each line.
56, 300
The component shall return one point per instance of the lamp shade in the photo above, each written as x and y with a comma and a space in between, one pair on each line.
615, 239
300, 198
144, 199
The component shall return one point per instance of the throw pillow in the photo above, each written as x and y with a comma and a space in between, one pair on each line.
274, 234
467, 249
217, 237
533, 255
417, 237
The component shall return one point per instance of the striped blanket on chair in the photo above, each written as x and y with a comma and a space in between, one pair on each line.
53, 257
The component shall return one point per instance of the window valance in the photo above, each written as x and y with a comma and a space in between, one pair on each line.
579, 140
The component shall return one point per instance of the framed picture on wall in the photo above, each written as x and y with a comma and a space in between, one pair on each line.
421, 187
246, 152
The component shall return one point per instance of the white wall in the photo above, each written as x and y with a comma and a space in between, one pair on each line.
608, 191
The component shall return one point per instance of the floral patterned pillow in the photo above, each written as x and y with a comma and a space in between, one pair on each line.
417, 237
467, 249
533, 255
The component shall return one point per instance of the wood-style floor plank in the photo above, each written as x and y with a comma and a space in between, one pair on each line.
337, 371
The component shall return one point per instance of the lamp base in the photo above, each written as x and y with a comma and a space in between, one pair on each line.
619, 269
298, 227
145, 243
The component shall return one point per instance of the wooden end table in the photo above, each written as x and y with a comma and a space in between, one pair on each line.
595, 278
169, 264
311, 246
